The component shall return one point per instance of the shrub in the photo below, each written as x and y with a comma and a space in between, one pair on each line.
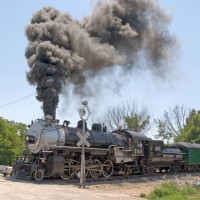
171, 191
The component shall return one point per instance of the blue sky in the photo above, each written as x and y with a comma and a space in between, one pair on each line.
158, 95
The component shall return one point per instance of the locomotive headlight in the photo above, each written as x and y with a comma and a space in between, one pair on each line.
27, 138
30, 139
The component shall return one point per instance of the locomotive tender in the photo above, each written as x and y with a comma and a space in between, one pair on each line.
53, 152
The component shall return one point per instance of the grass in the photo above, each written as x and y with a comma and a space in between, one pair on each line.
172, 191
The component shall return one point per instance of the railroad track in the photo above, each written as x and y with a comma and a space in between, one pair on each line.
136, 178
139, 177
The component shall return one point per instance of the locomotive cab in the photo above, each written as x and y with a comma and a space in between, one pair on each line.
135, 142
153, 148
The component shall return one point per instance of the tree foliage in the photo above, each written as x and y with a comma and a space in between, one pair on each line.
128, 113
170, 126
191, 131
11, 140
137, 122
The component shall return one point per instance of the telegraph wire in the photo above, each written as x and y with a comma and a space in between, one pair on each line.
17, 100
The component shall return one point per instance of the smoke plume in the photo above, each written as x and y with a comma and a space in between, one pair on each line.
64, 51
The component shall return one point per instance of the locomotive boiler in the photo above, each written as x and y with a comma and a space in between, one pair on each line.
46, 134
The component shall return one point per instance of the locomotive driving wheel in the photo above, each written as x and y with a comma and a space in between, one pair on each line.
96, 171
107, 168
77, 168
68, 171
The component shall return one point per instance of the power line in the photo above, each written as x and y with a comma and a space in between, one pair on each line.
17, 100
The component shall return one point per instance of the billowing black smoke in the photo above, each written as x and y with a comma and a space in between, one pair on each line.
65, 51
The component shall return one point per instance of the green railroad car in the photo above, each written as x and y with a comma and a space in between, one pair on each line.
192, 155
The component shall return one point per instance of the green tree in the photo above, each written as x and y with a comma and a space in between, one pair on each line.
170, 125
11, 140
191, 131
137, 122
128, 113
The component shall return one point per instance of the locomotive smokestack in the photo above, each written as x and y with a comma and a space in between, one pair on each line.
49, 117
63, 51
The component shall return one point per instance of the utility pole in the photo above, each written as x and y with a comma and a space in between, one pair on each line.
84, 113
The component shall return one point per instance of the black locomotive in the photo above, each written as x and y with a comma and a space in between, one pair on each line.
53, 151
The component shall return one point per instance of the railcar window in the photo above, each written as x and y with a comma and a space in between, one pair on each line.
139, 144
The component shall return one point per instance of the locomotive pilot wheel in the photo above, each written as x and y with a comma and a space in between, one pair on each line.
39, 175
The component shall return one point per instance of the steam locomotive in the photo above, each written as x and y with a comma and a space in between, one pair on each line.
53, 152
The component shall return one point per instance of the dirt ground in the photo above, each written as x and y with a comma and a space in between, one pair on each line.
129, 189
